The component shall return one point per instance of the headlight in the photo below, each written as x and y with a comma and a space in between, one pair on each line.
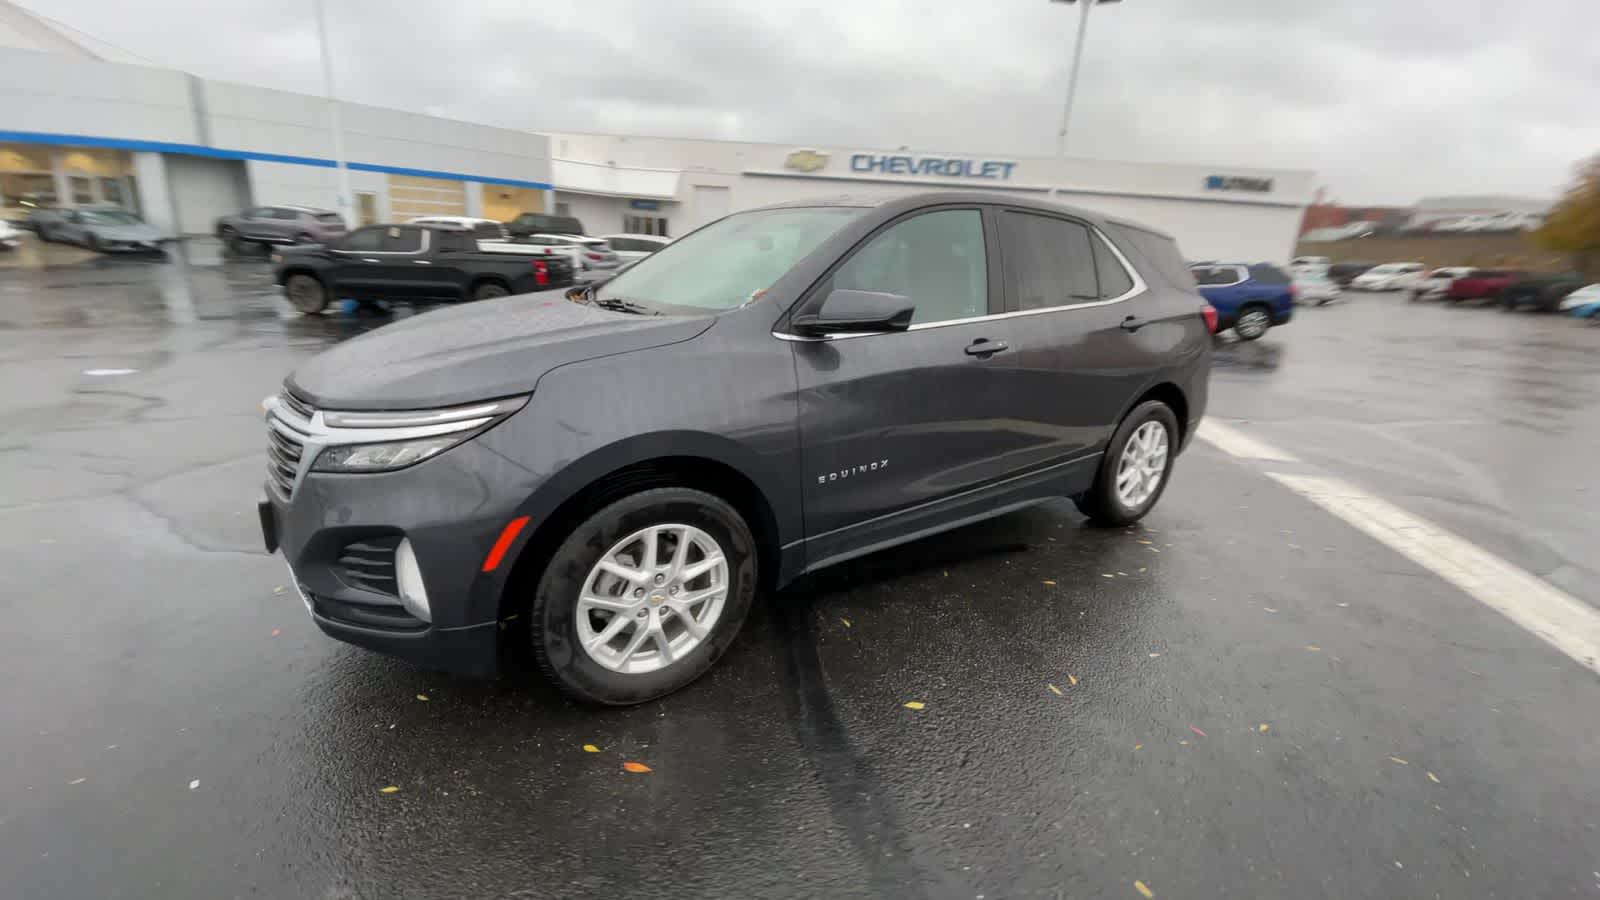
385, 441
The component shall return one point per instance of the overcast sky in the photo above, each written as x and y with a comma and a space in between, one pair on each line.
1386, 101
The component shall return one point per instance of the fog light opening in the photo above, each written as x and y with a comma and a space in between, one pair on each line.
413, 595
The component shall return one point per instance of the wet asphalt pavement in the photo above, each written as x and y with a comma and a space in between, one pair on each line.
1244, 698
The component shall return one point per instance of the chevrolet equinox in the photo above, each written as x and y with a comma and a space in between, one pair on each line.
610, 479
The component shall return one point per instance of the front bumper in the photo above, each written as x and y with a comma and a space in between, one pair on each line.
335, 530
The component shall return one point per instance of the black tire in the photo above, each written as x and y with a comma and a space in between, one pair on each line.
306, 292
1249, 326
1101, 503
553, 612
488, 290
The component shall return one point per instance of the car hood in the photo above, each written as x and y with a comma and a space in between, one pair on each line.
493, 348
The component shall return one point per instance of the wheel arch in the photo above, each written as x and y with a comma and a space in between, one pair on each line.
701, 462
1169, 393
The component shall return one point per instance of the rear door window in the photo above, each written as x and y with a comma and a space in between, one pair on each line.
1268, 274
364, 240
1049, 261
487, 231
937, 259
402, 239
1114, 278
1152, 251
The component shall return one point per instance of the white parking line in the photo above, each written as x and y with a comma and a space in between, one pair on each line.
1553, 615
1237, 443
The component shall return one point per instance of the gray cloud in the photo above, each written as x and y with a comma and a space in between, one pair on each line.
1385, 101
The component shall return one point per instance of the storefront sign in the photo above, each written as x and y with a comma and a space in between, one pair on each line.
647, 205
1238, 183
944, 167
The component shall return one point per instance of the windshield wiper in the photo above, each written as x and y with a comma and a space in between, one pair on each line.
627, 306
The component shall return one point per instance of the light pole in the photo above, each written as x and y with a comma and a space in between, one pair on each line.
334, 121
1072, 79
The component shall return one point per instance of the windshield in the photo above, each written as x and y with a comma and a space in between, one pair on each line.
109, 217
725, 264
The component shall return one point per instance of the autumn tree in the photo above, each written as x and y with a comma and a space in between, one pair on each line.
1573, 224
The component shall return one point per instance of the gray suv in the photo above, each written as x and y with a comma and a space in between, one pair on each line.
281, 225
611, 482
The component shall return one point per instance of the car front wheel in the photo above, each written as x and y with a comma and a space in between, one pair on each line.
1134, 471
643, 596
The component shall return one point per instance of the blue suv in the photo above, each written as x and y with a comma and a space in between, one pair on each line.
1249, 298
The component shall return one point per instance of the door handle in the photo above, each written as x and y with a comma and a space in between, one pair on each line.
367, 259
1134, 323
420, 262
985, 348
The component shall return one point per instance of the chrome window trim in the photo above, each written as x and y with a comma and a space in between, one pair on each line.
1138, 288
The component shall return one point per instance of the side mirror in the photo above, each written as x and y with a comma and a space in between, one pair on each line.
845, 311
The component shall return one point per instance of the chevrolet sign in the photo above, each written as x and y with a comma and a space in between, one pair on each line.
805, 160
1238, 183
894, 164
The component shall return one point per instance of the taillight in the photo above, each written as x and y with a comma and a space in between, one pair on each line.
1293, 292
594, 256
1209, 313
541, 272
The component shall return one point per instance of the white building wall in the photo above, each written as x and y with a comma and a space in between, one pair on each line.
204, 189
60, 94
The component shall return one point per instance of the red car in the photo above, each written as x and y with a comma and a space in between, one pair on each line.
1481, 284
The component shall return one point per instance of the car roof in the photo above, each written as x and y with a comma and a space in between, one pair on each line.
628, 234
454, 220
906, 202
304, 209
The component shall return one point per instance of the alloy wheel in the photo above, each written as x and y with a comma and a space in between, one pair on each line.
1143, 464
652, 598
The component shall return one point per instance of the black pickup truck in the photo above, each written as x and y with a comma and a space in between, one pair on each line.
410, 262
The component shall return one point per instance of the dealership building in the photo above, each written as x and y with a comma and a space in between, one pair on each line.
80, 126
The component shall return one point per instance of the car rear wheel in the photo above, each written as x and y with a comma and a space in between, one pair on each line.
489, 290
1252, 323
1134, 471
642, 598
307, 293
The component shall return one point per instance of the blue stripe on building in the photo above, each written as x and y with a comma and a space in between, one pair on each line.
84, 140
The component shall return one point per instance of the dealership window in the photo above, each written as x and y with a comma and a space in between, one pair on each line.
1050, 261
28, 190
656, 225
111, 190
936, 259
82, 190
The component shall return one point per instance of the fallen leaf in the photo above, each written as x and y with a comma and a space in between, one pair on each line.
590, 748
1313, 648
1054, 690
1124, 574
1154, 655
1183, 743
1153, 550
1138, 746
423, 697
846, 622
1294, 546
1434, 778
194, 784
1341, 604
1049, 582
1197, 731
77, 781
1142, 569
278, 589
1269, 609
1263, 727
277, 631
915, 704
1147, 542
1143, 891
391, 789
1107, 575
947, 574
1072, 679
1399, 760
636, 768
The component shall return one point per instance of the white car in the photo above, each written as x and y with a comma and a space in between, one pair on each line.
9, 235
594, 254
1387, 277
1310, 262
1310, 285
1435, 283
492, 238
632, 247
1583, 302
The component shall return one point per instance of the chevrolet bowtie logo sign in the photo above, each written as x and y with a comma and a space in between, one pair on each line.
805, 160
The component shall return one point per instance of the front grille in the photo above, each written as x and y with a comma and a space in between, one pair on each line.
286, 443
368, 564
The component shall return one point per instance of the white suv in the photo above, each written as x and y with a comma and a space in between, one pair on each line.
1387, 277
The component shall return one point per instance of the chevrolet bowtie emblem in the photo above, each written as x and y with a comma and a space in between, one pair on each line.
805, 160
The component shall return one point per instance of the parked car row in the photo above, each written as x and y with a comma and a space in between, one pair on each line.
101, 229
1510, 289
